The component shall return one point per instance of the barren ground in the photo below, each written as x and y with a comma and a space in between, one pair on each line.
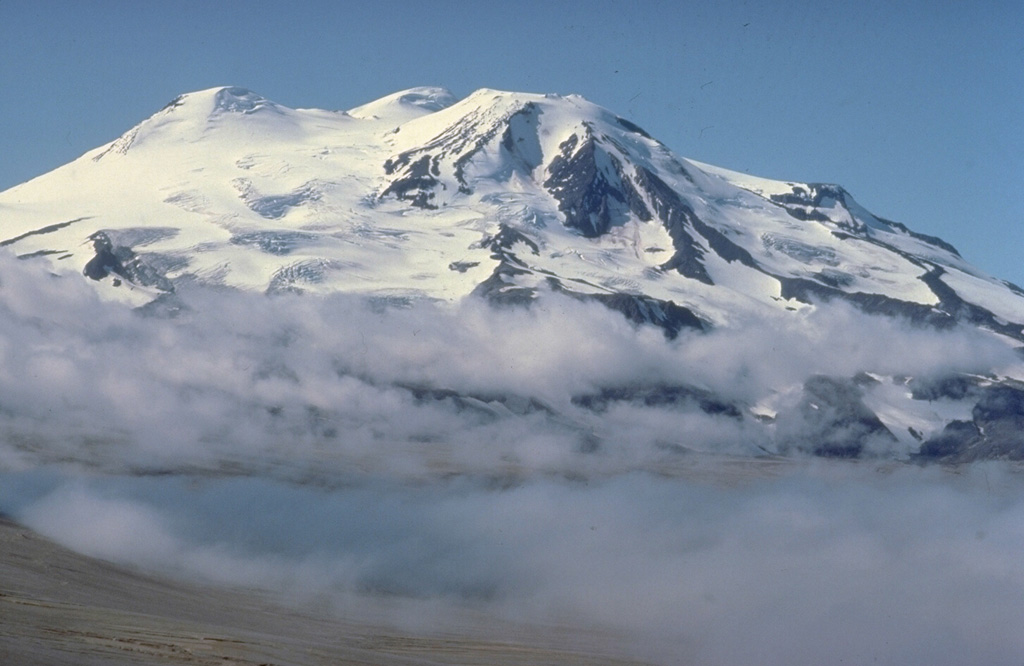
60, 608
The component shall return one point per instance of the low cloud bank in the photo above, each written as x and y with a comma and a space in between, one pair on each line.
238, 381
814, 564
331, 447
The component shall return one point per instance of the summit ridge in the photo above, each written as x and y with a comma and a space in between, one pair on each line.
504, 196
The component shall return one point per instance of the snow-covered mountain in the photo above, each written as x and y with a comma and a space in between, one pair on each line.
515, 197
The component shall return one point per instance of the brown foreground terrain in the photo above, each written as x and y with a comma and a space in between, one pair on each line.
60, 608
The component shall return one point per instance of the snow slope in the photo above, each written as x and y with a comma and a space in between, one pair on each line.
404, 196
503, 195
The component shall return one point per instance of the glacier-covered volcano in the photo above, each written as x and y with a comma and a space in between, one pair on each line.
518, 198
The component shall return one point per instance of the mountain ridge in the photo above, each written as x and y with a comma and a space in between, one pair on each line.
501, 195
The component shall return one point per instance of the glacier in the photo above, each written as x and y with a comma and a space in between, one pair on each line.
517, 199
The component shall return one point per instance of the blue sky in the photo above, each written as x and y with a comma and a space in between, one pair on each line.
917, 108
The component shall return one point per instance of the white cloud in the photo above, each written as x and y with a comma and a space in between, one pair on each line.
332, 472
814, 564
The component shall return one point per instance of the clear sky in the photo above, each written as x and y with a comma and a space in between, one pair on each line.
916, 107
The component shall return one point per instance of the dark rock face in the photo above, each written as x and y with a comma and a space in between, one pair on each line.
418, 183
50, 228
660, 396
638, 309
632, 127
831, 420
500, 288
931, 240
122, 261
678, 217
809, 291
487, 406
999, 416
805, 215
593, 199
957, 308
1000, 402
594, 194
996, 430
952, 387
419, 174
815, 196
721, 244
802, 204
462, 266
954, 439
505, 239
834, 279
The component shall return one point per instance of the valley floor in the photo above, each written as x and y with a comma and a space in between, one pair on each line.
60, 608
